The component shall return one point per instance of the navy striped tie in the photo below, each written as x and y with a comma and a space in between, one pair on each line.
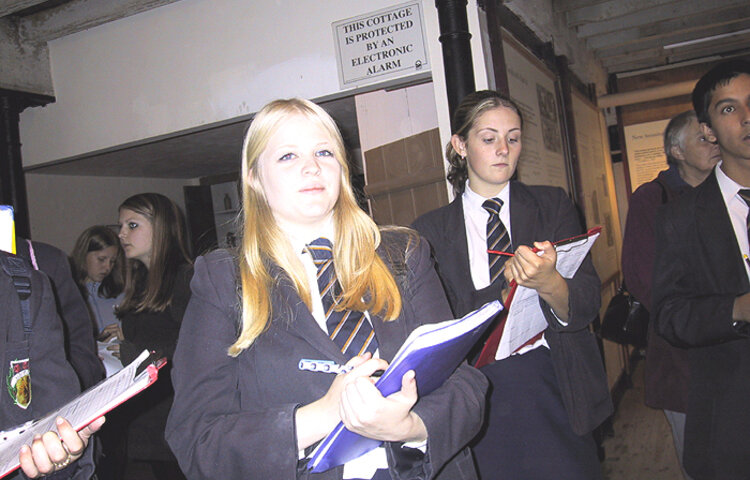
498, 238
350, 330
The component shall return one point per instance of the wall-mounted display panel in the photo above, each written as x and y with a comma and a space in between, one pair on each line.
597, 185
644, 143
532, 87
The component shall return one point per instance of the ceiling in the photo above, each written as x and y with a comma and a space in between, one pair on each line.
204, 152
627, 36
635, 35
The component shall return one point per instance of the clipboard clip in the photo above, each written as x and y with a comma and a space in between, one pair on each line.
154, 358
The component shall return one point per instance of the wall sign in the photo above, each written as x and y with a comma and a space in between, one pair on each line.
381, 45
645, 146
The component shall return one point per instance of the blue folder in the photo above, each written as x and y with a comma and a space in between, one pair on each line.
433, 351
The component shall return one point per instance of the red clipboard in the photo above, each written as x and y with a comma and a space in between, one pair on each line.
487, 355
83, 409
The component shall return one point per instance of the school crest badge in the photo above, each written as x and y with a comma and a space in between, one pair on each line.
19, 383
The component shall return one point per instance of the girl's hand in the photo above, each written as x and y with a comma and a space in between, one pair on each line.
536, 270
50, 453
533, 269
115, 349
316, 419
365, 411
111, 331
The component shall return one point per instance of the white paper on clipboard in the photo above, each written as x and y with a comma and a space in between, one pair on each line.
525, 316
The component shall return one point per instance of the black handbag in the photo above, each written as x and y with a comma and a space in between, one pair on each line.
625, 321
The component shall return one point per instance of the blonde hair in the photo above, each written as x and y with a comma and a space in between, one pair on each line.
365, 280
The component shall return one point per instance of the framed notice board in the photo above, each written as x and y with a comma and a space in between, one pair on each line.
597, 184
533, 87
644, 143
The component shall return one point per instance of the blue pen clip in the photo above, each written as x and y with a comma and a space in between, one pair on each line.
324, 366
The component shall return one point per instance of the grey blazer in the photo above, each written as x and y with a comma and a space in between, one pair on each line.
536, 214
233, 418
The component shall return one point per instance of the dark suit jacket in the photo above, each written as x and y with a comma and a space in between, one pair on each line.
536, 214
53, 380
234, 417
80, 344
698, 273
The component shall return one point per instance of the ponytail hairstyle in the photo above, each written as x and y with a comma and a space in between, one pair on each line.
366, 282
94, 239
472, 106
149, 288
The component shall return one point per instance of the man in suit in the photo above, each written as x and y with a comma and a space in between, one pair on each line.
701, 290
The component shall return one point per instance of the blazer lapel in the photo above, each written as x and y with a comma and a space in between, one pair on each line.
455, 238
523, 216
300, 322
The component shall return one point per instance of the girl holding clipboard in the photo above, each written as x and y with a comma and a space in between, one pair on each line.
547, 398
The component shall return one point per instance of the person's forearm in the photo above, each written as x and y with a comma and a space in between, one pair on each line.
556, 294
313, 422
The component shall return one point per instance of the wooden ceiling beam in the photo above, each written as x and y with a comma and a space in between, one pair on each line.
653, 58
568, 5
9, 7
79, 15
611, 10
652, 16
683, 23
677, 37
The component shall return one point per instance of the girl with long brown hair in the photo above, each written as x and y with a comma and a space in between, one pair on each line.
158, 273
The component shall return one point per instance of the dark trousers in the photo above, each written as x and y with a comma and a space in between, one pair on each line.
527, 434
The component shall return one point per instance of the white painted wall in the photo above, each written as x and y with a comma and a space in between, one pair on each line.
62, 206
183, 65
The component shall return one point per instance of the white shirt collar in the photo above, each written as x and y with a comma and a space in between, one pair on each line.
475, 201
728, 187
299, 240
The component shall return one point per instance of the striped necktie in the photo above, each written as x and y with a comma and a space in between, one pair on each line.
350, 330
498, 238
745, 194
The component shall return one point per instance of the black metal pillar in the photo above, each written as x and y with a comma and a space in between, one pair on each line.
12, 179
457, 63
